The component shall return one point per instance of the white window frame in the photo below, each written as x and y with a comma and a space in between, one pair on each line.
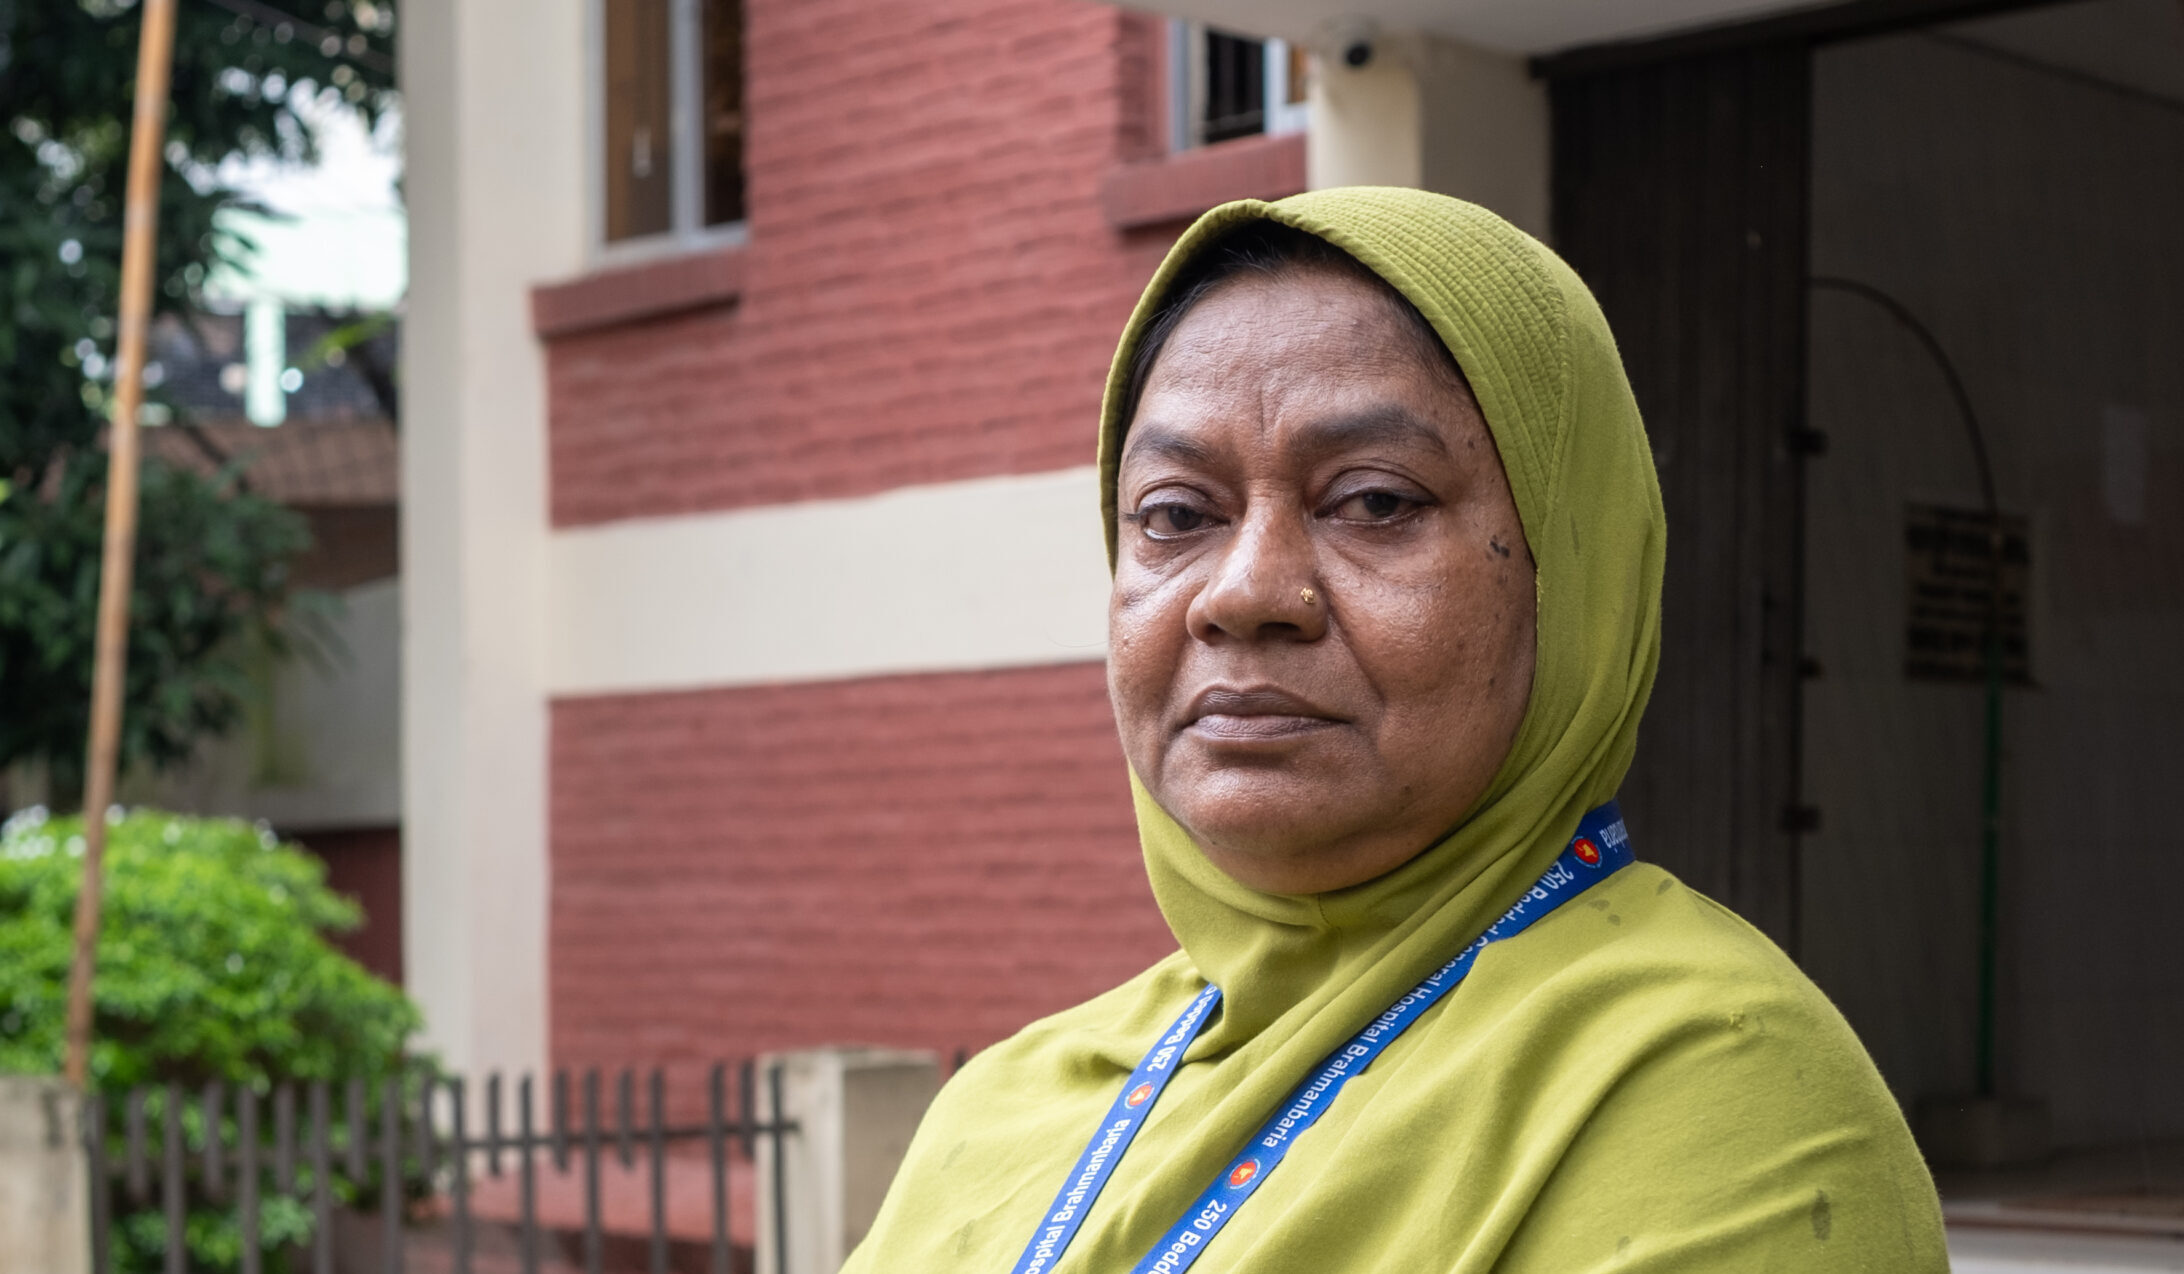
1187, 86
686, 95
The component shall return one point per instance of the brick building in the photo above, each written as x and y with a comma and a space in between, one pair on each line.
823, 739
753, 601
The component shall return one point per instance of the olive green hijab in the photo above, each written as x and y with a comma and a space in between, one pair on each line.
1639, 1082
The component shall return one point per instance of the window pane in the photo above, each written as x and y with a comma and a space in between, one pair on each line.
639, 150
723, 116
1235, 88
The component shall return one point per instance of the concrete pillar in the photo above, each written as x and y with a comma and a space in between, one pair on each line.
1436, 114
45, 1202
1484, 130
856, 1110
1363, 126
494, 96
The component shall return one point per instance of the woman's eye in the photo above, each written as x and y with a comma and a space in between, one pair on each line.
1161, 520
1373, 506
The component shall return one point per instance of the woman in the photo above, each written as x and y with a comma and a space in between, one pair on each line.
1387, 551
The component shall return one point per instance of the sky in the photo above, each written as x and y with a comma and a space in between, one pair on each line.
342, 238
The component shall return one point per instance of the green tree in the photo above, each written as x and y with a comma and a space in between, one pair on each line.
212, 571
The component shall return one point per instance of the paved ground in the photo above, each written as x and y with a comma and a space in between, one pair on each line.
2116, 1210
1984, 1251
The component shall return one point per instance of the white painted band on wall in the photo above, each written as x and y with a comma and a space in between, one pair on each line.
984, 573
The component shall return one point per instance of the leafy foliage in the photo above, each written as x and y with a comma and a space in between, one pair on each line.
214, 965
212, 563
213, 957
216, 578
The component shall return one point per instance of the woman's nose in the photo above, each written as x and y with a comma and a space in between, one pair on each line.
1264, 584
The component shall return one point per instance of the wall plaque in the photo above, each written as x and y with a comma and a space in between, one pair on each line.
1950, 575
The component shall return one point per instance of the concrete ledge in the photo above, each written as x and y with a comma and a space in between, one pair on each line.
45, 1206
1182, 185
855, 1110
635, 293
706, 600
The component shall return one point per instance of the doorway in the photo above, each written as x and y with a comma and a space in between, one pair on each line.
2014, 185
1802, 229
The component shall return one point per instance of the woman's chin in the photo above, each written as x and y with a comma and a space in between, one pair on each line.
1304, 849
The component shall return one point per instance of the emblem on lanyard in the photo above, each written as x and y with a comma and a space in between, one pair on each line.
1600, 848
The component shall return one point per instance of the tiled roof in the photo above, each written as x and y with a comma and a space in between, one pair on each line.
337, 446
299, 462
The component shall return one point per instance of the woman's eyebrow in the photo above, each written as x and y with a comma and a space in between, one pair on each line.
1156, 440
1387, 425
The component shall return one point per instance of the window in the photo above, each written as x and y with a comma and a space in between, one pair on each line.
1225, 86
671, 115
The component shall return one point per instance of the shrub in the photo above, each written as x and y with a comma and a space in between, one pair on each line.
213, 965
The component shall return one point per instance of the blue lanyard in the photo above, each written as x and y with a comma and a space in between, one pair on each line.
1600, 847
1124, 1118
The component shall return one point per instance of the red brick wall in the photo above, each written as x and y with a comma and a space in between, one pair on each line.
918, 860
930, 289
365, 863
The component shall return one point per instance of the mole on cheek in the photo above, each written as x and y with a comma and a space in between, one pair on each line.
1494, 543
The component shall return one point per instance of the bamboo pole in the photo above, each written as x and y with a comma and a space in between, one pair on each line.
147, 133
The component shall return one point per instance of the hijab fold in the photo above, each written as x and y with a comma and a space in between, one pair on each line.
1579, 1070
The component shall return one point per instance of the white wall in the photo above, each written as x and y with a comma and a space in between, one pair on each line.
988, 573
1485, 131
327, 754
1436, 114
494, 177
1505, 26
2038, 227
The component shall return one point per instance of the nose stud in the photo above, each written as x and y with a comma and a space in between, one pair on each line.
1307, 596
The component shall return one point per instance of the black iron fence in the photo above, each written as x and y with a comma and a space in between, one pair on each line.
356, 1178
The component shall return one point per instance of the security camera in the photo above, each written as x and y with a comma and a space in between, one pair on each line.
1355, 42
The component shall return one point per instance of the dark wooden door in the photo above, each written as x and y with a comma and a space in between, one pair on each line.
1680, 196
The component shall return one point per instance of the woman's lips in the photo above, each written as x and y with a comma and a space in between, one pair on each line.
1243, 729
1252, 714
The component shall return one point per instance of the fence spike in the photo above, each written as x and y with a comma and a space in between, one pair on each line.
212, 1103
352, 1109
747, 1081
780, 1122
94, 1147
459, 1154
592, 1253
284, 1138
493, 1123
528, 1166
139, 1174
624, 1099
657, 1101
390, 1176
561, 1121
322, 1182
421, 1136
246, 1161
716, 1130
171, 1151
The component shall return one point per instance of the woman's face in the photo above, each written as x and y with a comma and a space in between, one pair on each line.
1321, 630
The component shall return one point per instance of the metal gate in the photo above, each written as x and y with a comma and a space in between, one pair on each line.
409, 1174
